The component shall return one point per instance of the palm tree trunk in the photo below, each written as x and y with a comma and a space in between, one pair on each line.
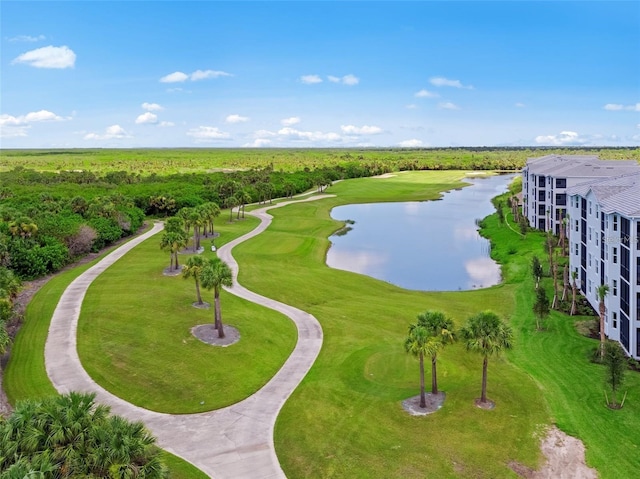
175, 255
602, 312
218, 314
483, 397
423, 399
198, 291
573, 299
434, 375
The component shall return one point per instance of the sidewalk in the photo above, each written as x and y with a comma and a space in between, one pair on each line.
231, 443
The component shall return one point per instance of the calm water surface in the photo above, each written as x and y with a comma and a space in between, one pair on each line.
426, 245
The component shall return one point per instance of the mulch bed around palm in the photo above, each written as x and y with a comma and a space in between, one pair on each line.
208, 334
433, 403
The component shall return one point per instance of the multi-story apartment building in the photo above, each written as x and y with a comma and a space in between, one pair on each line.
545, 181
604, 239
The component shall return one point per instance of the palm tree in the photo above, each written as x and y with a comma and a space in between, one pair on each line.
420, 344
214, 275
574, 291
231, 202
601, 292
486, 334
440, 328
173, 242
174, 224
193, 269
210, 211
565, 281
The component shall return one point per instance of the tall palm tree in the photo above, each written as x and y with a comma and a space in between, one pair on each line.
193, 269
441, 329
565, 281
574, 291
210, 211
420, 344
214, 275
486, 334
173, 242
601, 292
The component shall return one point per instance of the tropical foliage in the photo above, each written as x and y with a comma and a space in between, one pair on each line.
71, 437
214, 275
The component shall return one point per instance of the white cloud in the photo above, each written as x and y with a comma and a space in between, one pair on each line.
618, 107
174, 77
294, 120
236, 119
362, 130
151, 106
205, 74
345, 80
264, 134
27, 38
413, 143
564, 138
258, 143
411, 106
520, 105
48, 57
310, 79
441, 81
111, 132
293, 134
207, 133
166, 123
426, 94
447, 105
14, 126
350, 80
147, 118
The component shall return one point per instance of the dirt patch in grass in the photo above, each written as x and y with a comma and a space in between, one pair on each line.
565, 459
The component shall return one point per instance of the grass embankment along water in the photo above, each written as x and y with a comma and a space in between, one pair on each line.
345, 419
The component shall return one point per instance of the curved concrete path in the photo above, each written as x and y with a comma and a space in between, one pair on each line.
231, 443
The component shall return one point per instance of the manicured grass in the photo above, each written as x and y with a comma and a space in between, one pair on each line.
134, 335
345, 420
558, 359
180, 469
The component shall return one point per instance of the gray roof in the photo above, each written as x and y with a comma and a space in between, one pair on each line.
620, 194
580, 166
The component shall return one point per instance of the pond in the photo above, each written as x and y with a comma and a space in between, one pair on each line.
421, 245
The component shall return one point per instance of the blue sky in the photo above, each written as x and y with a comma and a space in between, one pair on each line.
319, 74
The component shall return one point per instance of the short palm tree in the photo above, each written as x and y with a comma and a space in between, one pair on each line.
214, 275
173, 242
602, 292
574, 291
420, 344
486, 334
441, 329
193, 269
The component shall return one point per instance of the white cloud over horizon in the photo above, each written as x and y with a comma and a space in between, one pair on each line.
48, 57
27, 38
442, 81
362, 130
565, 138
16, 126
147, 118
179, 77
236, 119
151, 106
618, 107
294, 120
310, 79
204, 134
113, 132
426, 94
413, 143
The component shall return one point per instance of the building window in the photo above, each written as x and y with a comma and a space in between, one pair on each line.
561, 182
589, 285
576, 245
597, 267
615, 287
615, 320
589, 233
615, 222
615, 255
589, 207
589, 259
576, 225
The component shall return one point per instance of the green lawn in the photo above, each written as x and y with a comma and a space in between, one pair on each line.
345, 420
136, 341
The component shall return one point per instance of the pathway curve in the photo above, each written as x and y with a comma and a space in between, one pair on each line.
235, 442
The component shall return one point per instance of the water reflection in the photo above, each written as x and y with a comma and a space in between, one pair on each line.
429, 245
